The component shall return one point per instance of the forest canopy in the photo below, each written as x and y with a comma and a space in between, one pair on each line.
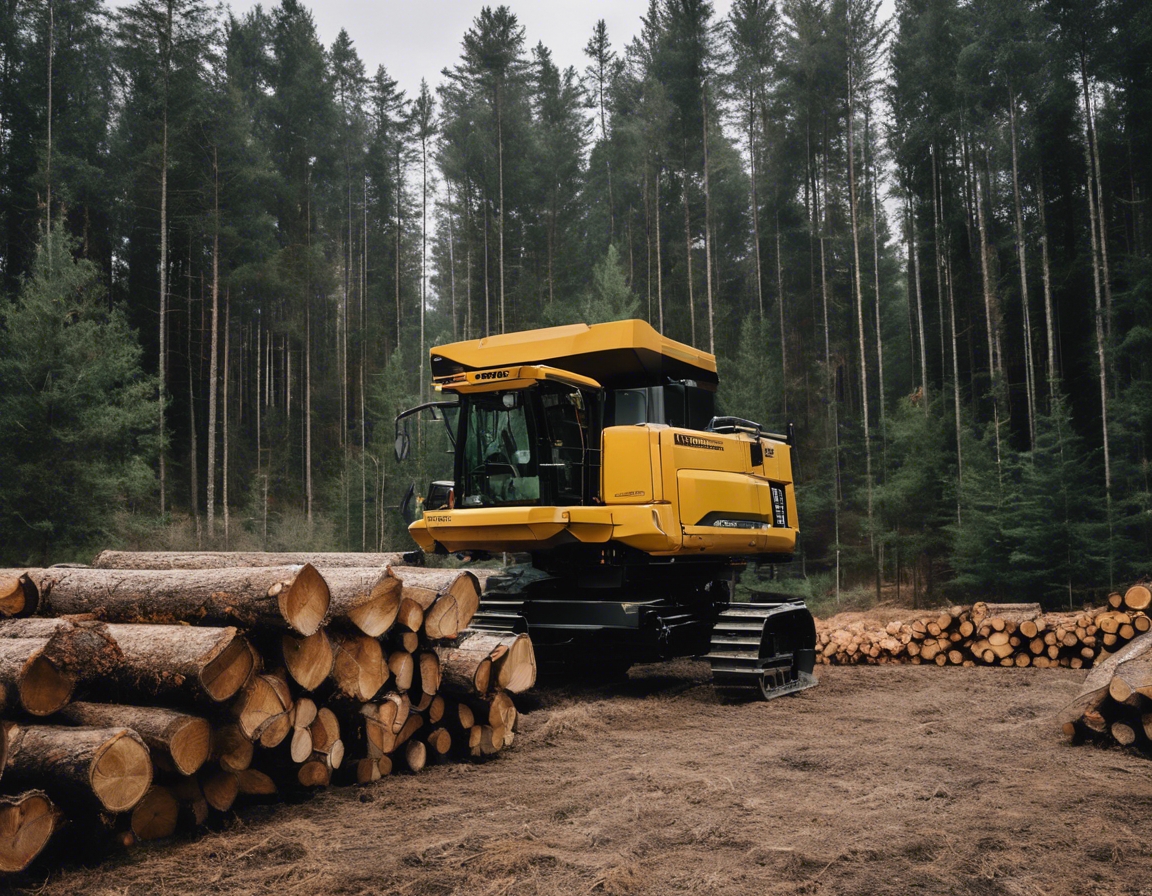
924, 240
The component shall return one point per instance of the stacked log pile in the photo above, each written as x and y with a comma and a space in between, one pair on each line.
991, 635
1115, 702
155, 689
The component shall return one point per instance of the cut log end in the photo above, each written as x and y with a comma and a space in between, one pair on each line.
155, 816
43, 688
121, 772
308, 659
304, 603
27, 822
229, 671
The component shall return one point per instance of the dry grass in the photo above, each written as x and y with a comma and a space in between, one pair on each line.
883, 780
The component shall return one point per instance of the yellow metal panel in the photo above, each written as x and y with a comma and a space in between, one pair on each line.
715, 491
626, 465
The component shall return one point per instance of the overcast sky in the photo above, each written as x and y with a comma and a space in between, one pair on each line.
415, 39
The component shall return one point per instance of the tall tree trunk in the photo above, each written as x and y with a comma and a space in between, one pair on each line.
829, 374
870, 163
213, 373
452, 257
756, 207
648, 241
708, 226
1046, 275
1101, 337
991, 315
659, 263
194, 497
307, 410
854, 210
1029, 367
915, 250
955, 376
227, 369
937, 226
397, 264
364, 363
163, 371
48, 154
780, 307
423, 250
1096, 179
500, 179
688, 251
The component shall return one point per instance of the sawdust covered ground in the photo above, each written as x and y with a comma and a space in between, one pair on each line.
893, 779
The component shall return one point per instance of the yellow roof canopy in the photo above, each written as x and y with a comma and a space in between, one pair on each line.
620, 354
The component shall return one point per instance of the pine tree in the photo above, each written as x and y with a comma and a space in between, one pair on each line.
80, 408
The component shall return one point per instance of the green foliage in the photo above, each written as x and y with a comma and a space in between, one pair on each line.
607, 297
77, 409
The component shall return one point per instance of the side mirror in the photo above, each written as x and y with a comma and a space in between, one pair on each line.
406, 512
403, 445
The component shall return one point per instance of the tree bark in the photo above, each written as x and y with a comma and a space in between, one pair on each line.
27, 676
368, 597
234, 559
90, 769
182, 740
294, 597
1029, 367
707, 223
180, 660
213, 373
19, 595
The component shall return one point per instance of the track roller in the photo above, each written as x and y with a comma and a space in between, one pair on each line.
761, 651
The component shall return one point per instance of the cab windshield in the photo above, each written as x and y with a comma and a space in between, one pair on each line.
499, 465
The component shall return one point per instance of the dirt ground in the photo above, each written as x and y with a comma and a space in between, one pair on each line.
889, 779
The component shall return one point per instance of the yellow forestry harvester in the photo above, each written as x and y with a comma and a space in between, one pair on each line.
596, 450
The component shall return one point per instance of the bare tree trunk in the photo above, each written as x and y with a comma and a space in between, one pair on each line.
1046, 274
830, 377
688, 253
647, 242
452, 257
307, 411
363, 364
500, 178
992, 316
48, 159
780, 307
163, 371
227, 344
194, 498
707, 225
876, 273
852, 201
1095, 177
213, 372
1029, 371
919, 305
397, 264
423, 249
755, 206
1101, 339
659, 263
259, 402
955, 377
937, 225
487, 299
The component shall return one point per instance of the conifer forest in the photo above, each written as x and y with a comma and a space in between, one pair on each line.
923, 238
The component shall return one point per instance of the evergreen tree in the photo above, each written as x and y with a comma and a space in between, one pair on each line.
80, 408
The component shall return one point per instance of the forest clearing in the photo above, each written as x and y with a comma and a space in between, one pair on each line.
889, 779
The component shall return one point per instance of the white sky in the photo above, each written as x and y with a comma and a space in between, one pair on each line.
415, 39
